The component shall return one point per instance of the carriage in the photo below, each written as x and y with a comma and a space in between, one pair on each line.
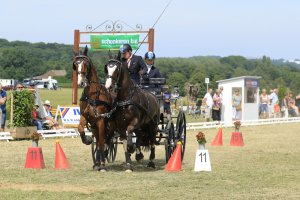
122, 112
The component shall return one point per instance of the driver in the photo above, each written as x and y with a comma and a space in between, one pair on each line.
135, 64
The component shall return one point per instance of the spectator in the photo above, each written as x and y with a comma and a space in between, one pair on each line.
222, 107
3, 99
264, 101
48, 119
208, 104
274, 100
135, 64
19, 87
237, 105
167, 100
36, 119
217, 105
292, 108
284, 105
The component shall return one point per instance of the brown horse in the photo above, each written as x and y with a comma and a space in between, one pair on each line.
95, 101
135, 112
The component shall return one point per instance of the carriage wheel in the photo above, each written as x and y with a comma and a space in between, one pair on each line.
170, 141
111, 150
181, 131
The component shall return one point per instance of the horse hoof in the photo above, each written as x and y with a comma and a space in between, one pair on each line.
151, 165
96, 168
128, 168
102, 170
88, 140
139, 157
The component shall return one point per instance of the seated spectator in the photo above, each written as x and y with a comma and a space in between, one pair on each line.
48, 119
36, 119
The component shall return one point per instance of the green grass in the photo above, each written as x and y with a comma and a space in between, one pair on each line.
267, 167
62, 96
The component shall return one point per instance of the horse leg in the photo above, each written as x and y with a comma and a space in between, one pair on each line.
130, 129
128, 167
101, 143
152, 156
85, 139
138, 155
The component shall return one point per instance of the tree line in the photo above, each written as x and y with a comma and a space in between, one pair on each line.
19, 60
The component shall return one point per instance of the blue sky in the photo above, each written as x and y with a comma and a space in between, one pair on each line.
187, 28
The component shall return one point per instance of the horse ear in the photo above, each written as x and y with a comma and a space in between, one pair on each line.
105, 69
75, 53
85, 50
110, 54
119, 56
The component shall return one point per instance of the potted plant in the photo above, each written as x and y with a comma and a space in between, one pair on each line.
35, 137
237, 125
201, 140
21, 105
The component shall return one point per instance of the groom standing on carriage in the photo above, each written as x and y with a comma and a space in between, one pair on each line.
136, 65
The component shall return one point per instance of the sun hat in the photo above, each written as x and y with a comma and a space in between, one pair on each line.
47, 102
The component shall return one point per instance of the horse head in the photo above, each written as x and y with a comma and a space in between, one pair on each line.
82, 63
113, 70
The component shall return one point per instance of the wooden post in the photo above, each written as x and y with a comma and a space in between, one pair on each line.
151, 39
76, 49
11, 108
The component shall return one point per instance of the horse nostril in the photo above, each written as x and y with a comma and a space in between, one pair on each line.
82, 84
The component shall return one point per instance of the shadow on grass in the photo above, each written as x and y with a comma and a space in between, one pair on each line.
137, 166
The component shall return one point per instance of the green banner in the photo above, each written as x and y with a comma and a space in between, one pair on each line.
113, 42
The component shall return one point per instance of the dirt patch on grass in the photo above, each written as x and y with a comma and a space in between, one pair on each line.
51, 188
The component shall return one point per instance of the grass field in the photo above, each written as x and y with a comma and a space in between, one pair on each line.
267, 167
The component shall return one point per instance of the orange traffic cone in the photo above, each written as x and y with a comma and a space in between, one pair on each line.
174, 164
61, 161
34, 158
218, 141
236, 139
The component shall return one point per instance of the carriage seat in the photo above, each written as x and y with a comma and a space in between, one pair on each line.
153, 85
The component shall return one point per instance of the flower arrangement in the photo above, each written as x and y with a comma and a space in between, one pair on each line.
237, 125
35, 136
201, 138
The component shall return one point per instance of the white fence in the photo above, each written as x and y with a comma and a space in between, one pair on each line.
205, 125
189, 126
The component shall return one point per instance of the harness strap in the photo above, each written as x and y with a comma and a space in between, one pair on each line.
95, 102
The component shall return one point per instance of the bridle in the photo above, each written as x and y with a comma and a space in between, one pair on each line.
117, 85
87, 62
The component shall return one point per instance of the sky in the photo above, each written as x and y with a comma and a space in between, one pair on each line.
250, 28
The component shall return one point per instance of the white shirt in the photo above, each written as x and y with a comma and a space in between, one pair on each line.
209, 101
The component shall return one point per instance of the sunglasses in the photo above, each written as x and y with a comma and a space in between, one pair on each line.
20, 87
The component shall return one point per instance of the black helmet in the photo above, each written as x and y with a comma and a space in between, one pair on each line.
125, 48
150, 55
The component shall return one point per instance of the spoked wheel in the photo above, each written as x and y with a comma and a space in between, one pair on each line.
180, 131
111, 150
170, 141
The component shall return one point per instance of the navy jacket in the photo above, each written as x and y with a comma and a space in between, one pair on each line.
154, 72
136, 65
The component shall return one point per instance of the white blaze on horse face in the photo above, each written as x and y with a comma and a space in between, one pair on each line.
79, 78
110, 71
